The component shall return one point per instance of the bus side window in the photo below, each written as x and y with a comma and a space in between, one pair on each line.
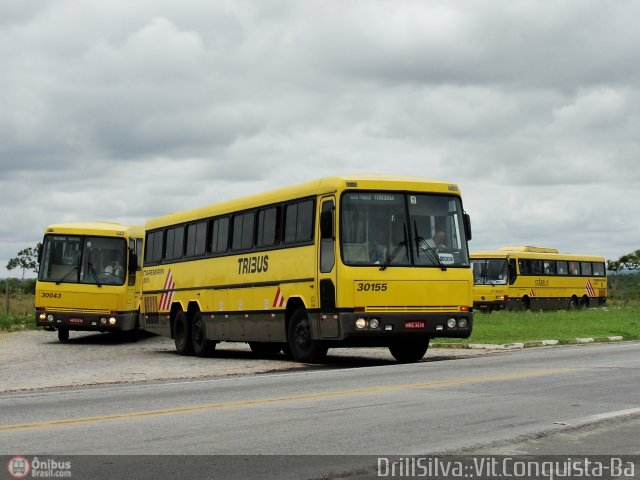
513, 271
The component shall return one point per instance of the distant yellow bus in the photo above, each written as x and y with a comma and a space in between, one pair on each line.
537, 278
335, 262
90, 278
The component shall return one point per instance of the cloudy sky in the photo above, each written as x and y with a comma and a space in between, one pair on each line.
120, 110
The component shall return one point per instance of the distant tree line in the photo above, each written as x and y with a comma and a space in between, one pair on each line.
630, 261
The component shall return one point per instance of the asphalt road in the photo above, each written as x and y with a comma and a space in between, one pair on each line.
467, 405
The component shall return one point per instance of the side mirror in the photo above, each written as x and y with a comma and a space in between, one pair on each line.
326, 224
133, 263
467, 225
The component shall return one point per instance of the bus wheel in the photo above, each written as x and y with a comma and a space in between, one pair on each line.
410, 350
303, 347
63, 334
182, 334
584, 303
265, 348
573, 303
201, 346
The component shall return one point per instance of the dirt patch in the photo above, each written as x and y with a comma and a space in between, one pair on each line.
35, 359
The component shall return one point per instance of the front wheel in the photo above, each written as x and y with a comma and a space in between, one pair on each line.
409, 350
63, 334
182, 334
303, 347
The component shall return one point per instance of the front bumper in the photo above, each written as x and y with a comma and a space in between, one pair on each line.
92, 322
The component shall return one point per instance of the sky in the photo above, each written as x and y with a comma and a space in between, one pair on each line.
123, 110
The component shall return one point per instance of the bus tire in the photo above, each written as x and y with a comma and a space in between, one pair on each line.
200, 345
63, 334
573, 303
409, 350
265, 348
182, 334
584, 302
304, 348
133, 335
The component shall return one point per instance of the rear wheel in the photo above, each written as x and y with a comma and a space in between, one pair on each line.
201, 346
303, 347
409, 350
584, 303
182, 334
63, 334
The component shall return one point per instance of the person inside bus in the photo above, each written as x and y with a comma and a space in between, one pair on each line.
439, 240
114, 269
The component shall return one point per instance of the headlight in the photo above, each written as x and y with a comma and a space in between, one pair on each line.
112, 321
451, 323
374, 323
50, 318
462, 323
103, 321
361, 323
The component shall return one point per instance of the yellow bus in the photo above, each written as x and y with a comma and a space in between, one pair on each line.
537, 278
298, 269
90, 278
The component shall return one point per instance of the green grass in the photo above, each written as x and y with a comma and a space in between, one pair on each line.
565, 326
21, 313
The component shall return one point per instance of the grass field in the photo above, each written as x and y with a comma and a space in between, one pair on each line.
20, 314
619, 319
562, 325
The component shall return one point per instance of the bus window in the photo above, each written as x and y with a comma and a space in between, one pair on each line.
574, 268
268, 227
598, 269
585, 268
242, 238
298, 224
549, 267
220, 235
562, 267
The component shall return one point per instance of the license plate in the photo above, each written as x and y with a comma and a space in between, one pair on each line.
76, 320
414, 325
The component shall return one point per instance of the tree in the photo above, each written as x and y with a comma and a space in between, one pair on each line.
630, 261
27, 259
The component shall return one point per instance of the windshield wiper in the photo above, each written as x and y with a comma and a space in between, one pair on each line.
67, 275
421, 242
395, 252
95, 275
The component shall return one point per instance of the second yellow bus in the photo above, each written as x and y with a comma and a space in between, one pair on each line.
537, 278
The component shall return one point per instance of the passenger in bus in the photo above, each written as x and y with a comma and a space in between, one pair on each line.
114, 269
439, 240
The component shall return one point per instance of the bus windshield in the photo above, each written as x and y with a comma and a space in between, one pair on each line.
83, 259
492, 271
402, 229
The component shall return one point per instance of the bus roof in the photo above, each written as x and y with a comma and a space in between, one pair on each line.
96, 228
325, 185
535, 253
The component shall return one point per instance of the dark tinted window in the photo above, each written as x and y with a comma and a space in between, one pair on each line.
242, 238
267, 228
220, 235
299, 222
196, 239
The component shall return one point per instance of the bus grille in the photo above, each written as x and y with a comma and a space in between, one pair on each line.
412, 308
96, 311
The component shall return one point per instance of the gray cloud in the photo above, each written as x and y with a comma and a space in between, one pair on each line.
121, 111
